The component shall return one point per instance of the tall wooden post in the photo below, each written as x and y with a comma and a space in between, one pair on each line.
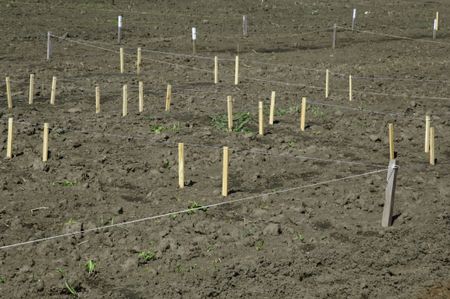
390, 194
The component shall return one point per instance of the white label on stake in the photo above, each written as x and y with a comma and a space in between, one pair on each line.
435, 24
194, 33
354, 13
120, 21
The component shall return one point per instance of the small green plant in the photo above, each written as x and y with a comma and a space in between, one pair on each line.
71, 290
259, 245
68, 222
147, 256
179, 268
166, 164
240, 122
299, 237
90, 266
65, 183
194, 206
2, 280
173, 216
158, 129
284, 111
316, 111
210, 248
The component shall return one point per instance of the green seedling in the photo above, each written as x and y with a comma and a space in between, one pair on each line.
240, 122
284, 111
194, 206
179, 269
90, 266
259, 245
2, 280
299, 237
70, 289
147, 255
166, 164
65, 183
158, 129
316, 111
210, 248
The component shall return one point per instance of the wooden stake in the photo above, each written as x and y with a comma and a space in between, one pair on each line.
119, 29
432, 156
303, 115
437, 21
125, 101
388, 209
181, 165
333, 44
261, 118
53, 92
391, 142
350, 91
230, 113
272, 108
168, 96
141, 96
138, 61
435, 25
97, 99
8, 93
10, 138
225, 172
122, 62
31, 90
427, 133
45, 144
194, 39
327, 82
216, 70
236, 71
49, 45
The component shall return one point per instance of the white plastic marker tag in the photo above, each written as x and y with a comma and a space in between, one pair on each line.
120, 21
354, 13
435, 26
194, 33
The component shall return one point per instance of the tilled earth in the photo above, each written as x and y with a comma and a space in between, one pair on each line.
292, 228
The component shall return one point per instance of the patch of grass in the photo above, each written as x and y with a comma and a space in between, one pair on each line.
147, 256
259, 245
240, 122
194, 206
316, 111
158, 129
90, 266
289, 110
65, 183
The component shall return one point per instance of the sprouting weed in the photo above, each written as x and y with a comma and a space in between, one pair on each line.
90, 266
259, 245
147, 255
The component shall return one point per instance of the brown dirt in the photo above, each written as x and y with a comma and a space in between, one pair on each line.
321, 242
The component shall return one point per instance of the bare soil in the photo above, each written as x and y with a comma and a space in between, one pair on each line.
324, 241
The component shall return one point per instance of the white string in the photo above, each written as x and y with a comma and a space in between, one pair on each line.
99, 228
395, 36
